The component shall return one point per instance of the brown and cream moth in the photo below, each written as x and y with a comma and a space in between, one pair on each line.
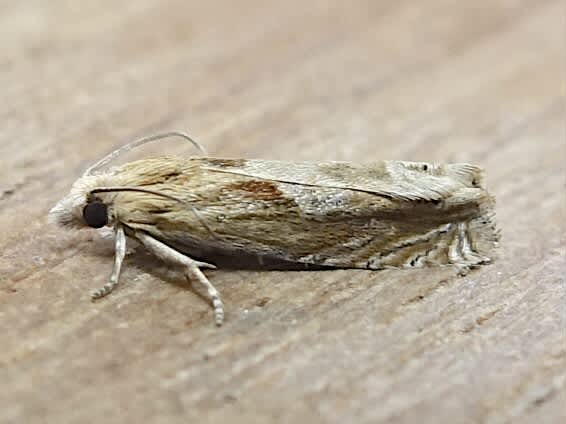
202, 212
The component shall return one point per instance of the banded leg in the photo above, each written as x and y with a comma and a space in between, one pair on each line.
120, 252
191, 268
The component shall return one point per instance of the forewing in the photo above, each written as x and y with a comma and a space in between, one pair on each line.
270, 213
394, 179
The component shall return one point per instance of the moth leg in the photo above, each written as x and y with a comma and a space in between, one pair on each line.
191, 268
461, 253
120, 252
193, 272
467, 250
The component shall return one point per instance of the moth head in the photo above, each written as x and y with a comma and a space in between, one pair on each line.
80, 208
83, 208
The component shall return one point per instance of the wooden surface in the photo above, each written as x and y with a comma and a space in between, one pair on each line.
479, 82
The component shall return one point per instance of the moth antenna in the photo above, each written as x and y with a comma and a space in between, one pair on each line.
135, 143
157, 193
140, 190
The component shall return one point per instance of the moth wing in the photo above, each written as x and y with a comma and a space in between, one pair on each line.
270, 213
229, 219
394, 179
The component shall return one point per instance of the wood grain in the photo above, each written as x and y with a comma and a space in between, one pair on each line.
435, 80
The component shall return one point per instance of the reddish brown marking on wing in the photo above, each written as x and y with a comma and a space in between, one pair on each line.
263, 190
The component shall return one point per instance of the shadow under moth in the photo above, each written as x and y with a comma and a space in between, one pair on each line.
203, 212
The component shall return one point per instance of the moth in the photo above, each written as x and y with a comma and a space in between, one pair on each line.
203, 212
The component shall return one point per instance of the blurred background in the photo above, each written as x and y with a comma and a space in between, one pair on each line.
295, 80
433, 80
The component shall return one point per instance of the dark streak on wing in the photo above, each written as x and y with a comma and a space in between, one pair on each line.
225, 163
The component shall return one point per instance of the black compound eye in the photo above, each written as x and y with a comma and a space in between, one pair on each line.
95, 214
